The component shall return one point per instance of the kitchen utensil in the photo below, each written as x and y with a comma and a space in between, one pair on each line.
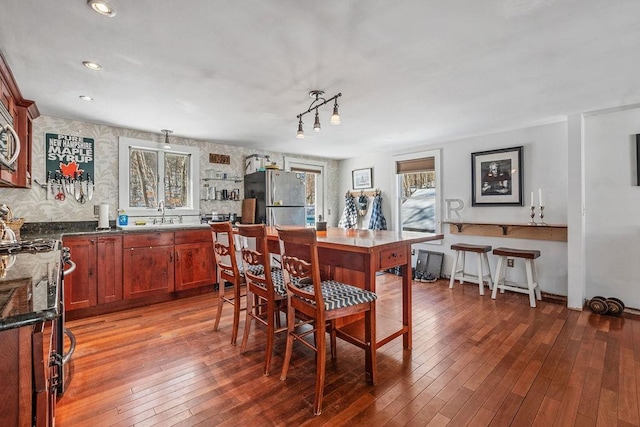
76, 187
49, 189
90, 187
69, 186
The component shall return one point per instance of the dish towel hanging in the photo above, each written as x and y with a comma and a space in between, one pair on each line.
350, 214
377, 221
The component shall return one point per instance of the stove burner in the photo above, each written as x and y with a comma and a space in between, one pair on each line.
31, 246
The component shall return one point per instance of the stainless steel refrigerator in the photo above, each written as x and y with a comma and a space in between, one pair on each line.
280, 196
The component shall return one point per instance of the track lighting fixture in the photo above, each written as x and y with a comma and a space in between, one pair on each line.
166, 132
319, 101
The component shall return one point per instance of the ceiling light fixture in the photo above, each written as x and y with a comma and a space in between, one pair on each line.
86, 98
102, 7
92, 65
318, 102
166, 132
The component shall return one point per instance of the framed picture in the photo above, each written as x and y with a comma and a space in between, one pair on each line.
496, 177
361, 178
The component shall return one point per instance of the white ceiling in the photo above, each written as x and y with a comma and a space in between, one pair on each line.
411, 72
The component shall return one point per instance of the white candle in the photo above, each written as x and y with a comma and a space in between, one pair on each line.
540, 196
532, 198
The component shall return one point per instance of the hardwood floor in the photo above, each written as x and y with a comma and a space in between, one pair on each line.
475, 361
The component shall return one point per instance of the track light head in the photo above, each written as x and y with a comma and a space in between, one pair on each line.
300, 134
316, 125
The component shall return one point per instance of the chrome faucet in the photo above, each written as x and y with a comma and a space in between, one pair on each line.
161, 209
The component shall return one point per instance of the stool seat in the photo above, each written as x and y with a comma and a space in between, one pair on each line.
531, 287
517, 253
470, 248
458, 271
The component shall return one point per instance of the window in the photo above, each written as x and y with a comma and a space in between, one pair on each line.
418, 192
150, 174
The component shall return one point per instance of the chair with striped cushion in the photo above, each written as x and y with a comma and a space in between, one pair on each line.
228, 271
320, 303
266, 293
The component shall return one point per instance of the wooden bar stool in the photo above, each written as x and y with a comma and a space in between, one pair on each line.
458, 273
531, 287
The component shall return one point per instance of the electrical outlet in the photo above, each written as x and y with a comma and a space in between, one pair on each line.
509, 262
96, 209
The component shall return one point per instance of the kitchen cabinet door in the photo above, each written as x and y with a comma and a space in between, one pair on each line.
109, 269
194, 265
80, 287
148, 271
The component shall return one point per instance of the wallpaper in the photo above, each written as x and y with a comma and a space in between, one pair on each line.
33, 205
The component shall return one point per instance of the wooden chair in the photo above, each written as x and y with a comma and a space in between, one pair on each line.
323, 302
266, 293
227, 271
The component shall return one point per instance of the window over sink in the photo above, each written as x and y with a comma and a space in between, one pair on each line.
150, 174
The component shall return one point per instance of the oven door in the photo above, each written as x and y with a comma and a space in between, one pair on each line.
9, 141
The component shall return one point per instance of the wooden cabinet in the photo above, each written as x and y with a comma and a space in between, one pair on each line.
194, 259
114, 267
109, 268
23, 112
25, 376
148, 264
80, 287
98, 275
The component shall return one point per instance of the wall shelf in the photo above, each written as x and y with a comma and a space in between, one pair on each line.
556, 232
222, 179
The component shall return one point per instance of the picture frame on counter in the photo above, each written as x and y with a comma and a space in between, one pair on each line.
362, 178
497, 177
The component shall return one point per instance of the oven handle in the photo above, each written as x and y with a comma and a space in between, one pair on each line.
70, 269
72, 348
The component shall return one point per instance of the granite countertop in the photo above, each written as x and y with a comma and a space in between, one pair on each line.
55, 230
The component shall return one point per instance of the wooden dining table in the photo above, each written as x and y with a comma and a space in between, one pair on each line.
354, 256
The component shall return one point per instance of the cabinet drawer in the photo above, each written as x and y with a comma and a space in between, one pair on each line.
193, 236
393, 256
140, 240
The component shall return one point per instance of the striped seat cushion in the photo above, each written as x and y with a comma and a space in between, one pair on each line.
278, 281
257, 270
339, 295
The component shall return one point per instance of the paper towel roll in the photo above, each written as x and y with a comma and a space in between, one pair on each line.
103, 216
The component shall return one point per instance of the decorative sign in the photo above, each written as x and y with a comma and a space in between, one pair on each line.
69, 156
219, 158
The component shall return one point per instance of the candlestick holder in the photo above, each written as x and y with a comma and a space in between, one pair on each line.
542, 216
533, 216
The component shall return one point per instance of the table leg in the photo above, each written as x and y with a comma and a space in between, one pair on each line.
407, 340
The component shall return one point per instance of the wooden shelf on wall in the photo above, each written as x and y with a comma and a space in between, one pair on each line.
556, 232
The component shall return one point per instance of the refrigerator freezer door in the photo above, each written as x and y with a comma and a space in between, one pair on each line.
285, 215
285, 188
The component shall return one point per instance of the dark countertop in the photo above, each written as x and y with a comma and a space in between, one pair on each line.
56, 230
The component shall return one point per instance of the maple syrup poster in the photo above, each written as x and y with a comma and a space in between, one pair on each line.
69, 156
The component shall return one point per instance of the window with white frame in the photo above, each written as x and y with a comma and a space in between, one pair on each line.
418, 192
150, 174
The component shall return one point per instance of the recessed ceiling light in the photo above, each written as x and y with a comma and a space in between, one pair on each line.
86, 98
102, 7
92, 65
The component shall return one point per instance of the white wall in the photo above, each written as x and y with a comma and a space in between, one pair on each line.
612, 206
545, 167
